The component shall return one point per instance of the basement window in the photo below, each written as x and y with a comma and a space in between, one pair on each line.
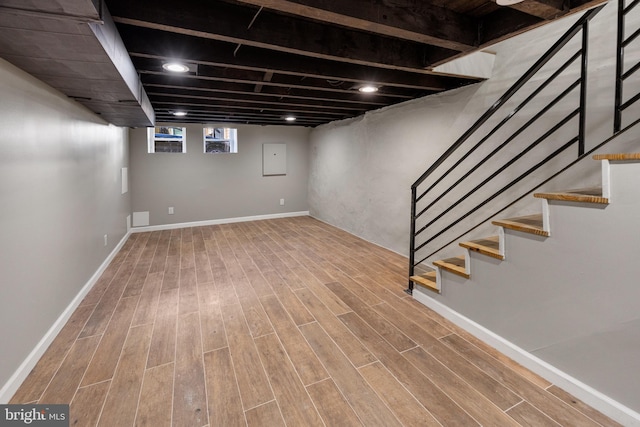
220, 140
166, 139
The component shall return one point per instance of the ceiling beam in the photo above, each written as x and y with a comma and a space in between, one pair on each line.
258, 103
173, 103
143, 42
545, 9
236, 89
414, 20
228, 23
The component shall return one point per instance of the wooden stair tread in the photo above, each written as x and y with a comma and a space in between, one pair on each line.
617, 156
454, 265
428, 280
489, 246
585, 195
528, 224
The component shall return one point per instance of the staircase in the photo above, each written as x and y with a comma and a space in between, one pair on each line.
537, 224
556, 290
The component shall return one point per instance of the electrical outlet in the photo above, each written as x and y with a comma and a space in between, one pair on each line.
281, 202
170, 210
105, 240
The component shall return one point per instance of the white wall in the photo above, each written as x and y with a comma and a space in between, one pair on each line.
204, 187
60, 190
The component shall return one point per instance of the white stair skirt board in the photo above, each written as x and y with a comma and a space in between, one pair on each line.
11, 386
218, 221
590, 396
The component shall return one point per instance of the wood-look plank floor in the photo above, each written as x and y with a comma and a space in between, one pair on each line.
285, 322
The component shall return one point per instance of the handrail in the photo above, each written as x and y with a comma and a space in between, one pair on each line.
621, 75
580, 25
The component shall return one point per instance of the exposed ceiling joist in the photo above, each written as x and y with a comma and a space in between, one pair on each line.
257, 61
409, 20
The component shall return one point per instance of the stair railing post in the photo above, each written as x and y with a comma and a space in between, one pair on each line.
583, 88
412, 240
617, 117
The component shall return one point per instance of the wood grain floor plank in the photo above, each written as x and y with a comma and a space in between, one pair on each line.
213, 333
408, 310
257, 319
137, 279
346, 341
406, 408
497, 393
265, 415
103, 364
203, 269
302, 356
388, 331
65, 382
527, 415
406, 326
198, 239
188, 291
327, 297
103, 283
171, 273
362, 292
364, 401
33, 386
441, 406
512, 364
160, 257
582, 407
541, 399
163, 340
189, 395
225, 406
175, 242
331, 404
252, 379
295, 308
122, 400
87, 404
208, 294
148, 304
225, 287
154, 406
260, 285
476, 405
101, 316
295, 404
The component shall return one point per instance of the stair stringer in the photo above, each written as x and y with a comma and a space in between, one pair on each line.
567, 298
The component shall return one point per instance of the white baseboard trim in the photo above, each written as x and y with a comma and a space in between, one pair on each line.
218, 221
11, 386
587, 394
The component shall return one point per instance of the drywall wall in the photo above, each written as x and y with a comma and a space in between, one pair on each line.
361, 170
204, 186
60, 189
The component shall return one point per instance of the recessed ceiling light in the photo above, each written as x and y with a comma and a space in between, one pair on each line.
508, 2
175, 67
180, 113
368, 89
290, 119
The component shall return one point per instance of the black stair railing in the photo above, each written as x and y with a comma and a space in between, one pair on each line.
624, 71
424, 219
